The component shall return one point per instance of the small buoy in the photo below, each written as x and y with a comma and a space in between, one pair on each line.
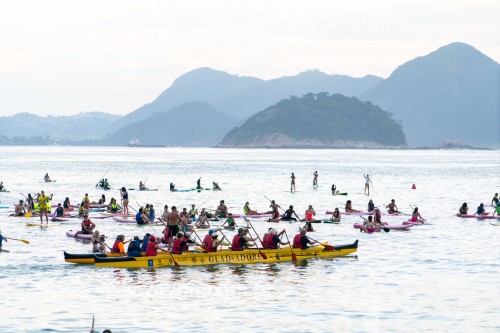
413, 187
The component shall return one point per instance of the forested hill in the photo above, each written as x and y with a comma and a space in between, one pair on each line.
321, 121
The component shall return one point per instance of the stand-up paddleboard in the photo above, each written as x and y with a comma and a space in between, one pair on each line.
72, 233
389, 226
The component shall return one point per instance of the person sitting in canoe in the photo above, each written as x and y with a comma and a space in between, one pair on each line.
153, 247
87, 226
300, 241
172, 187
119, 245
480, 210
272, 239
212, 244
248, 211
140, 217
221, 210
336, 215
19, 209
371, 206
276, 214
59, 211
231, 224
216, 186
392, 208
310, 213
288, 216
369, 225
145, 241
134, 248
179, 244
240, 242
463, 209
495, 201
348, 207
416, 217
377, 216
97, 242
47, 178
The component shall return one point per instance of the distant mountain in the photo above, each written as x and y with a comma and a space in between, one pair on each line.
451, 94
318, 121
89, 125
241, 97
190, 124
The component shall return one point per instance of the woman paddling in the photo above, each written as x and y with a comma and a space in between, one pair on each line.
463, 209
336, 215
416, 217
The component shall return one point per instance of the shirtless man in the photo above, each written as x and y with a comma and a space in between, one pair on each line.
392, 208
19, 209
276, 214
173, 220
221, 209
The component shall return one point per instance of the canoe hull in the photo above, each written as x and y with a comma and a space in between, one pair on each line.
249, 256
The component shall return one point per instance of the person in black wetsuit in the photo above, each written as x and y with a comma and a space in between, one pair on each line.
289, 215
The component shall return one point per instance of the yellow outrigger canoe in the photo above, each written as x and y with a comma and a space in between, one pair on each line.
248, 256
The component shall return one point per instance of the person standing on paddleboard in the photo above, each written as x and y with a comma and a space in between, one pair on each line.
367, 183
124, 195
315, 179
292, 184
43, 201
173, 219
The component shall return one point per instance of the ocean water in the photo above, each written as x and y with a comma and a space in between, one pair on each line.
442, 277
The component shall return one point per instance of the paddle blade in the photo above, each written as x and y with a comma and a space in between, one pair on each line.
175, 262
294, 257
24, 241
28, 214
328, 247
263, 255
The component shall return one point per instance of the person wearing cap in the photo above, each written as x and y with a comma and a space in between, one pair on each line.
59, 211
43, 201
221, 210
97, 242
19, 209
153, 247
145, 242
289, 215
87, 226
300, 241
178, 244
272, 239
134, 248
211, 241
119, 245
240, 241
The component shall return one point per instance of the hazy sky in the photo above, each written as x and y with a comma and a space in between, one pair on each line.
66, 57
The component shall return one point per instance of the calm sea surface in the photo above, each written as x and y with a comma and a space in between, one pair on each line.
443, 277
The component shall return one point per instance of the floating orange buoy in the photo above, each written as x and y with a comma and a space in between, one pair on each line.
413, 187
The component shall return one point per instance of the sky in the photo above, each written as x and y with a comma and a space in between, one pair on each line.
66, 57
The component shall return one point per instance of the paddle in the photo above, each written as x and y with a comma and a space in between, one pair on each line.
28, 214
294, 257
96, 185
262, 254
223, 236
328, 247
92, 329
21, 240
201, 242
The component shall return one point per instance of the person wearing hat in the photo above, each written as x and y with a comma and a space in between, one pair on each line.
211, 241
145, 242
153, 247
300, 241
289, 215
87, 226
221, 210
240, 241
19, 209
272, 239
134, 248
119, 245
97, 242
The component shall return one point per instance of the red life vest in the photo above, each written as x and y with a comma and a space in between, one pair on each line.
176, 246
263, 241
115, 248
185, 247
296, 241
151, 249
236, 246
269, 242
207, 240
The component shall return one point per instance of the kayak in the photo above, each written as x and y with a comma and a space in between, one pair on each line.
146, 189
248, 256
5, 191
29, 224
495, 223
389, 226
71, 233
4, 206
470, 216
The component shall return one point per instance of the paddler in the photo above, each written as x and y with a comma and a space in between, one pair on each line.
371, 206
193, 212
276, 214
221, 209
240, 242
216, 186
81, 209
202, 222
463, 209
336, 215
102, 200
47, 178
59, 211
230, 221
377, 216
497, 210
43, 201
153, 247
348, 207
87, 226
415, 216
172, 187
292, 182
19, 209
124, 195
495, 201
86, 201
301, 241
113, 207
334, 189
119, 245
152, 213
211, 241
288, 216
164, 214
480, 210
142, 186
310, 213
272, 239
67, 204
369, 225
2, 188
134, 248
248, 211
198, 184
367, 183
392, 208
179, 244
140, 217
315, 179
97, 242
